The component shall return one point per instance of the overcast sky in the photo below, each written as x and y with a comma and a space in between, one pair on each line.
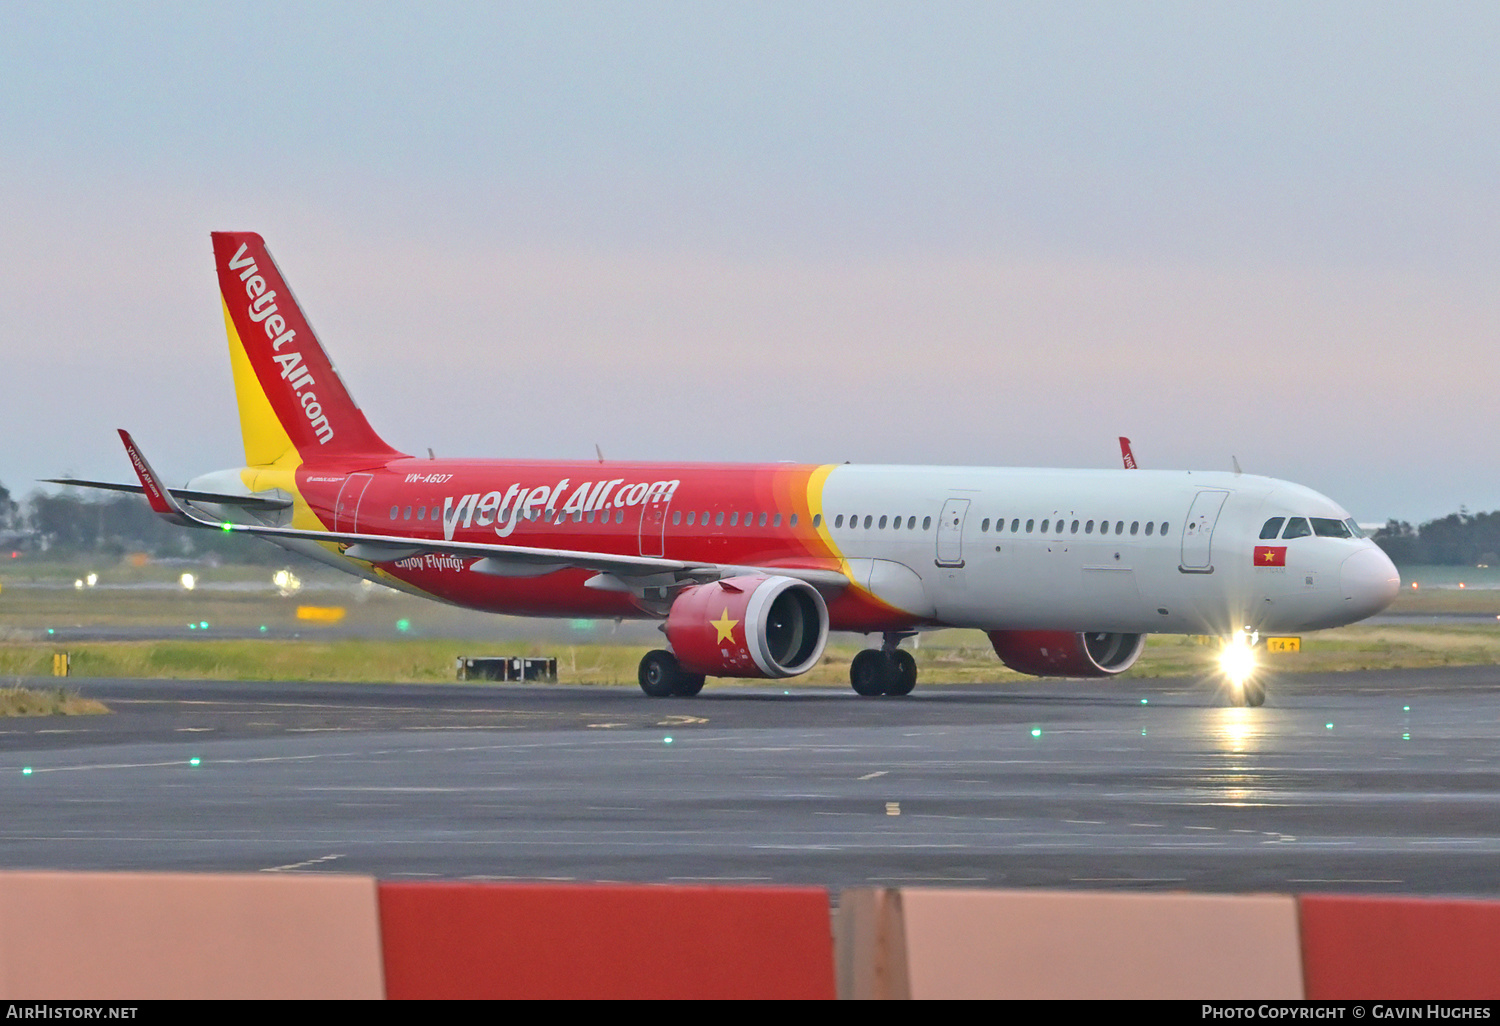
920, 233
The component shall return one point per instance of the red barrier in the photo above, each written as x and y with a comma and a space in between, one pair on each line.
602, 941
1400, 948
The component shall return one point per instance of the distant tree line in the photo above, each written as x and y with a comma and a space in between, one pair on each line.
1458, 539
77, 522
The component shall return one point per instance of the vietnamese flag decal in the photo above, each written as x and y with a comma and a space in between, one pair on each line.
1270, 555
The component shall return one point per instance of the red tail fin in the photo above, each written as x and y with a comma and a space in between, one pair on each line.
283, 364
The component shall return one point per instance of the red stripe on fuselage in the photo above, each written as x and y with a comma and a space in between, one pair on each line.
467, 500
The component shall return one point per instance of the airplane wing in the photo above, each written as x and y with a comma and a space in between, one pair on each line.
616, 572
254, 502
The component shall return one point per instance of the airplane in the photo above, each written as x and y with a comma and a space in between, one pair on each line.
748, 567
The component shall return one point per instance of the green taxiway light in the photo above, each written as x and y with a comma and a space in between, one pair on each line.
203, 625
1144, 702
666, 740
194, 761
1406, 708
1036, 731
226, 527
51, 631
1328, 726
263, 628
1406, 737
25, 771
403, 625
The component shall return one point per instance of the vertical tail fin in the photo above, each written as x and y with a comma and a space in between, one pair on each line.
292, 404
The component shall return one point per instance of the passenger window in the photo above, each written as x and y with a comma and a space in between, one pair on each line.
1028, 526
1044, 525
677, 518
692, 518
1015, 526
1119, 527
985, 527
1296, 527
776, 520
793, 521
734, 520
838, 521
817, 519
1272, 528
421, 512
1164, 527
763, 519
407, 516
868, 521
591, 517
1150, 526
926, 523
719, 519
1326, 527
882, 522
1088, 528
1075, 527
1134, 526
911, 523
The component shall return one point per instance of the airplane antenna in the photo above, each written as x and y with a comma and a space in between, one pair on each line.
430, 454
1236, 461
599, 451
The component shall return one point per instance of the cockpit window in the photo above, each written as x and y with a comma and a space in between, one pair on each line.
1354, 528
1296, 527
1327, 527
1272, 528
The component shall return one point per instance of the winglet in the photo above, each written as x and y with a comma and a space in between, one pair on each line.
162, 502
1126, 454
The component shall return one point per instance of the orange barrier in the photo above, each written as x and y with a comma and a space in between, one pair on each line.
603, 941
129, 936
923, 943
1372, 948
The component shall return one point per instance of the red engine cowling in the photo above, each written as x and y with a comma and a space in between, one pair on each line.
751, 626
1066, 653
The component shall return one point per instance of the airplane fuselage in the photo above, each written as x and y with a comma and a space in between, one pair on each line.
920, 547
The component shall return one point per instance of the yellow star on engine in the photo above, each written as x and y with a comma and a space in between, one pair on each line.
725, 626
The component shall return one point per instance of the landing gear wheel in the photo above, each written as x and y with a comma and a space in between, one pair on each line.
1255, 694
905, 677
868, 673
660, 674
688, 684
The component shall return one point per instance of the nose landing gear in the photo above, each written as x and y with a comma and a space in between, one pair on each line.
885, 671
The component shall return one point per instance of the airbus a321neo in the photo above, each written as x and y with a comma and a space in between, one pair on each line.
749, 566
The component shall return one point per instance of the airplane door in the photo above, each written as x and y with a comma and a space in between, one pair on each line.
654, 527
950, 532
1198, 532
346, 508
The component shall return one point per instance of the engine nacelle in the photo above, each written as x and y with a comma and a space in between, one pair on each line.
751, 626
1067, 654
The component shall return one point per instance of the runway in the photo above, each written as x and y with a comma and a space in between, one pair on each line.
1375, 781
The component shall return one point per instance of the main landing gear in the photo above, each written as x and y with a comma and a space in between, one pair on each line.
661, 676
885, 671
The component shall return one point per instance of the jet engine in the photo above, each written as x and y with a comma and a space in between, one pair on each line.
1066, 653
750, 626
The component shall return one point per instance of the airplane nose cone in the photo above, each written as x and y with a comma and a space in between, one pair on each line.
1370, 582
